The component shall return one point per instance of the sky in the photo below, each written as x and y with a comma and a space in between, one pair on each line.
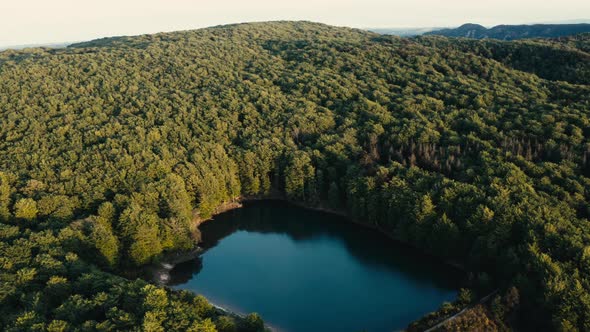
54, 21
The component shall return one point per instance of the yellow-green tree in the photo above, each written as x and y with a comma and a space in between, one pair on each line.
25, 208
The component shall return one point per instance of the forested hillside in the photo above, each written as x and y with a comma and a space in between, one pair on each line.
513, 32
109, 149
564, 59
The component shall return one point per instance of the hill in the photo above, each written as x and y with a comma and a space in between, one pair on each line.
565, 58
512, 32
403, 32
468, 150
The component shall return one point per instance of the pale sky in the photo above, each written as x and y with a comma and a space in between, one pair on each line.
54, 21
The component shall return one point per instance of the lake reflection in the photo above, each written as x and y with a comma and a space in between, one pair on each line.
305, 270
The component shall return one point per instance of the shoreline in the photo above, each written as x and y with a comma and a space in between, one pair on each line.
169, 261
342, 213
160, 271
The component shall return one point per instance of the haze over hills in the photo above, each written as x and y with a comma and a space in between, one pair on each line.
20, 47
511, 32
549, 29
473, 151
404, 32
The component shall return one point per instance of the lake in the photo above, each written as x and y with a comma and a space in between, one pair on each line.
305, 270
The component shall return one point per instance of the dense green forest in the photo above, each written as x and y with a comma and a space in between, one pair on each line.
474, 151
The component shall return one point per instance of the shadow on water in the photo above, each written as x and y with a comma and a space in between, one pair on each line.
305, 270
371, 248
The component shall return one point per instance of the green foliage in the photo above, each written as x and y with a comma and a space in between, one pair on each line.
57, 326
25, 208
564, 59
48, 288
299, 178
145, 241
476, 151
204, 326
107, 244
4, 197
226, 324
253, 323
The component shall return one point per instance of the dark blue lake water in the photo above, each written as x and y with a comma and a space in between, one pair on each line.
304, 270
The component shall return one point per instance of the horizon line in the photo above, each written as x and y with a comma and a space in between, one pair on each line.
63, 44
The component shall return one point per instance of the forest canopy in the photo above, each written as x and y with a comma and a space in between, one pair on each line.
476, 151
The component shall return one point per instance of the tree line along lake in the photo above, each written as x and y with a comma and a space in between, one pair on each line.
306, 270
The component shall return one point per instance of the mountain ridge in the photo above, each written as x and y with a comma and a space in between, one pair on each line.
512, 32
476, 151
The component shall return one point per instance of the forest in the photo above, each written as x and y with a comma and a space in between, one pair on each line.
474, 151
513, 32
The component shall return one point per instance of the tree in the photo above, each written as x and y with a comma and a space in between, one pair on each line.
155, 298
249, 178
57, 206
145, 241
226, 324
57, 326
474, 151
4, 197
203, 326
253, 323
202, 306
424, 209
25, 208
107, 244
152, 322
334, 195
299, 177
106, 215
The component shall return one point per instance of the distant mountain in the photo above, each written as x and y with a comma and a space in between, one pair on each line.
20, 47
471, 150
403, 32
511, 32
